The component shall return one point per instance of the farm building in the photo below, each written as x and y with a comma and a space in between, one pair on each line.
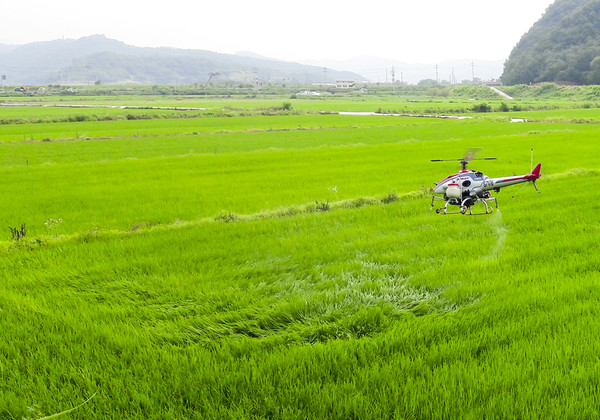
345, 84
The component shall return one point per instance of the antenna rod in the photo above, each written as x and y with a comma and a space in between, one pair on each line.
531, 169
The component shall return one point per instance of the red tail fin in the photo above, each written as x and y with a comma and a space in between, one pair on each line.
535, 174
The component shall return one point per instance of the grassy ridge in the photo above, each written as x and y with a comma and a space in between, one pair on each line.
369, 310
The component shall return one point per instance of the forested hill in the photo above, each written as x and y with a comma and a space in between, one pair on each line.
563, 46
100, 59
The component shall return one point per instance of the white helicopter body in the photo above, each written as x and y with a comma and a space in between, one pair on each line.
468, 187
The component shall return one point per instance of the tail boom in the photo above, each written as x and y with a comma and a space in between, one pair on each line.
497, 183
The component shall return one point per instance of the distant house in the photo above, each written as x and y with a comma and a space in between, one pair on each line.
345, 84
308, 93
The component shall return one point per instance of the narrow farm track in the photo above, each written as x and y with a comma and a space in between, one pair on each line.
231, 217
158, 135
99, 106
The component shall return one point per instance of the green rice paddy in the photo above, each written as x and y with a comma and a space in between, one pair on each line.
241, 261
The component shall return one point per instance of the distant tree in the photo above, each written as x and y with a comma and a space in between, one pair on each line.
211, 75
483, 107
559, 47
427, 82
439, 91
593, 76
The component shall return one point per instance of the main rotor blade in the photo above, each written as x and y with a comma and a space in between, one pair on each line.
470, 154
460, 160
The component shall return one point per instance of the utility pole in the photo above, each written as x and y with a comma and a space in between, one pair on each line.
393, 82
325, 75
437, 79
473, 70
87, 69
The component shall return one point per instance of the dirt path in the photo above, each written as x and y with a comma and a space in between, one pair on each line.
499, 92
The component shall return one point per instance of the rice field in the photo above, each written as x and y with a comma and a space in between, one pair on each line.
241, 261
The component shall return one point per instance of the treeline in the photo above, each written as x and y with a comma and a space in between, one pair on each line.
563, 46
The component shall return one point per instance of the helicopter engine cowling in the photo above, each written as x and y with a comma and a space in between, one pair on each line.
453, 191
481, 193
477, 192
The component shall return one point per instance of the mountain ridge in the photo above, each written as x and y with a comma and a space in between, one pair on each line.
562, 46
98, 58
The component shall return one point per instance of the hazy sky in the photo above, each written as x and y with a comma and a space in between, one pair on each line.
413, 31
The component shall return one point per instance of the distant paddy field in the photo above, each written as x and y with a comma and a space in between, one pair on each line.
271, 258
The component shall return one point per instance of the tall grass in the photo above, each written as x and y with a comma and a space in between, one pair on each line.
392, 310
376, 308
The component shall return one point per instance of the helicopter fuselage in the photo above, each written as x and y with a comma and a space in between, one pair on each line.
475, 184
468, 187
468, 181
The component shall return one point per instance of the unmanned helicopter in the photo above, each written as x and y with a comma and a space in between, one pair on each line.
469, 187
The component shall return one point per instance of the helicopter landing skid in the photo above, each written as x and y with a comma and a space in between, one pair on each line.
466, 205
